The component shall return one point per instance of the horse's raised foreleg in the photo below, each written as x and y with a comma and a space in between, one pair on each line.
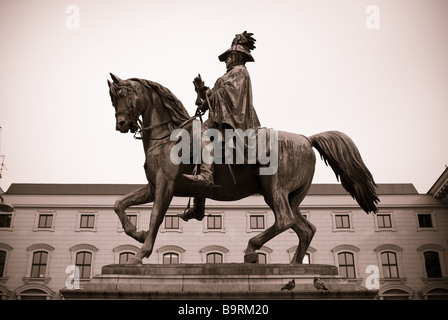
140, 196
162, 199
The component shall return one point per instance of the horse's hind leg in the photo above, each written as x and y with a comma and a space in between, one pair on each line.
304, 229
279, 204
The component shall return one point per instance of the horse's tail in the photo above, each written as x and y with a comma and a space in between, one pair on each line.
341, 153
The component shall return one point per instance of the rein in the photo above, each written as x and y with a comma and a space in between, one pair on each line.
142, 130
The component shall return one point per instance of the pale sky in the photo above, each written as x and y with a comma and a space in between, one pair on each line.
317, 68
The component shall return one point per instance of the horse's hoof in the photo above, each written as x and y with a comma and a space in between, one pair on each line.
133, 261
251, 258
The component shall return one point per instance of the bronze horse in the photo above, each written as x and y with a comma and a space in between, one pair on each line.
146, 107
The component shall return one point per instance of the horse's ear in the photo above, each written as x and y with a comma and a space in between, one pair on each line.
109, 83
115, 78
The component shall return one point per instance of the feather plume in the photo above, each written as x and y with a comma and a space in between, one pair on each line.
245, 39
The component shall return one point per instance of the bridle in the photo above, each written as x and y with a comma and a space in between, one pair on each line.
136, 122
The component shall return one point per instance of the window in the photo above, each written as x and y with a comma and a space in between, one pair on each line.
256, 221
5, 220
347, 265
4, 250
132, 219
432, 264
39, 264
214, 222
306, 259
384, 221
170, 254
426, 221
87, 221
2, 263
436, 291
214, 254
214, 257
262, 258
34, 292
84, 263
171, 222
122, 253
45, 221
170, 258
124, 257
395, 292
389, 264
390, 261
342, 221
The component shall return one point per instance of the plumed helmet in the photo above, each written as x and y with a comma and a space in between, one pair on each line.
242, 42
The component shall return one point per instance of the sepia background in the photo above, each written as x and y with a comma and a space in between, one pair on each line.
376, 70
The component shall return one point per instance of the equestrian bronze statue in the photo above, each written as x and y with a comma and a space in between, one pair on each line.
174, 167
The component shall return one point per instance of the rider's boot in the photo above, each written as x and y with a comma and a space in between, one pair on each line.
197, 212
204, 179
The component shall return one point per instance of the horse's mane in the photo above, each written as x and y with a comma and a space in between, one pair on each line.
175, 108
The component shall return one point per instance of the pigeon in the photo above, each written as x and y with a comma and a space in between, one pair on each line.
319, 284
290, 285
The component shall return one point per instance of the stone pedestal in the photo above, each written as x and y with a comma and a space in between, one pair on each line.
216, 282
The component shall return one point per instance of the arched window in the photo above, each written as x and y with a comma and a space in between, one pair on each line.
347, 265
34, 292
84, 263
4, 293
436, 291
4, 250
433, 261
307, 259
2, 262
389, 258
124, 257
346, 257
262, 258
389, 264
395, 292
83, 257
432, 264
214, 254
170, 258
123, 252
170, 254
39, 264
214, 257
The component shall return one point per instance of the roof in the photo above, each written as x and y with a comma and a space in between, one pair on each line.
120, 189
439, 190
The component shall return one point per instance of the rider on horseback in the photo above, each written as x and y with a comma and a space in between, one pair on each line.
230, 107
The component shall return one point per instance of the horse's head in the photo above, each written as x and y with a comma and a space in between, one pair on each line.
125, 97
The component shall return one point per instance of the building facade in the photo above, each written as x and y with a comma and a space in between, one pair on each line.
60, 235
